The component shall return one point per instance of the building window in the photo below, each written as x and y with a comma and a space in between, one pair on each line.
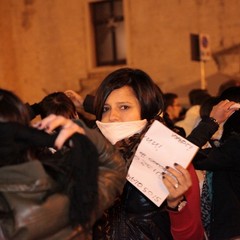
109, 32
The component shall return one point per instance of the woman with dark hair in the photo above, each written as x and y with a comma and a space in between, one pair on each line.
146, 91
129, 96
223, 168
52, 196
126, 104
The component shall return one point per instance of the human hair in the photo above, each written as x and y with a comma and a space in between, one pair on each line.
233, 82
207, 105
146, 91
75, 168
232, 125
232, 94
169, 99
12, 108
59, 104
198, 96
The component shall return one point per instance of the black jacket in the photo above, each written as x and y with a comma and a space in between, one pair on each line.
31, 203
224, 162
133, 216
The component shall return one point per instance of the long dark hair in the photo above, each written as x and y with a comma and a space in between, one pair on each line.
147, 92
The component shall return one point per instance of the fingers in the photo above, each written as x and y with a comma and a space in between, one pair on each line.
75, 97
228, 105
67, 128
66, 132
235, 106
223, 110
178, 181
50, 123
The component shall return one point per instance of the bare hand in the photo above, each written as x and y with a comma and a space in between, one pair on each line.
75, 97
223, 110
68, 128
177, 181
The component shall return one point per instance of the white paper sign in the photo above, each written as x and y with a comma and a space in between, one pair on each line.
160, 147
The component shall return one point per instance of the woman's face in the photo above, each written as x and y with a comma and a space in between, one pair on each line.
121, 106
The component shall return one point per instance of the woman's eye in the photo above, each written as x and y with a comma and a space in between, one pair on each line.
105, 109
124, 107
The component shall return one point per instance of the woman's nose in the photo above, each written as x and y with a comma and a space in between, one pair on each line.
114, 116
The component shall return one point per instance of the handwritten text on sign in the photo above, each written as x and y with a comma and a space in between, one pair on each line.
160, 147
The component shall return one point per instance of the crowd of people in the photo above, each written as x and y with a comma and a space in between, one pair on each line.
65, 176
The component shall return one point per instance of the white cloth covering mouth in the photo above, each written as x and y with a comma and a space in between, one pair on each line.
116, 131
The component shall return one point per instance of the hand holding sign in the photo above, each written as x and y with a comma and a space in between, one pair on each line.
159, 148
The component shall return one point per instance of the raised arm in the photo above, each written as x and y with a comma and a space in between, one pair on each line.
208, 126
112, 171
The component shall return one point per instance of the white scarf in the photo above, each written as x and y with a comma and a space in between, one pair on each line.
116, 131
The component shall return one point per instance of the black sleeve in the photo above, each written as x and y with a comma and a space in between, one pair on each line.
203, 132
226, 157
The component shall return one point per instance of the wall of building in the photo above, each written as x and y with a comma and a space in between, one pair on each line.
47, 46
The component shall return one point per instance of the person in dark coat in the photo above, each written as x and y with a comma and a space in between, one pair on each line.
45, 195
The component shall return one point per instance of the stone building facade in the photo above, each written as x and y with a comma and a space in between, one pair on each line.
48, 45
